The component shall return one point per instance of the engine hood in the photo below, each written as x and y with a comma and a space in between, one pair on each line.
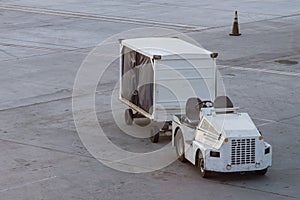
214, 128
233, 125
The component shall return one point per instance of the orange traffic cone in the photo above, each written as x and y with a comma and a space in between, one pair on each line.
235, 26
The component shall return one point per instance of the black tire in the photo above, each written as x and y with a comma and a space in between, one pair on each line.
128, 116
201, 165
179, 144
261, 172
154, 135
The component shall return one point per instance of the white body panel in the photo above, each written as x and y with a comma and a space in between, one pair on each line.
178, 80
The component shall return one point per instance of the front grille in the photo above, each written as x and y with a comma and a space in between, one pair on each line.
242, 151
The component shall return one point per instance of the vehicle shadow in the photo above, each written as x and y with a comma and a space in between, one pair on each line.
230, 177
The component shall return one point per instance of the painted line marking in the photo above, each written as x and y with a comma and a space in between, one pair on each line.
262, 70
99, 17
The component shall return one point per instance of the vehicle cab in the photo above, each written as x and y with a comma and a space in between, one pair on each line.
215, 136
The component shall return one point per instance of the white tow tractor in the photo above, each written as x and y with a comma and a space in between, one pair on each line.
216, 137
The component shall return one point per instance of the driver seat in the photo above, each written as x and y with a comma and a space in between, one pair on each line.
192, 111
223, 102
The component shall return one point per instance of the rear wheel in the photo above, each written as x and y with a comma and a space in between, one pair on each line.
154, 134
179, 144
201, 165
128, 116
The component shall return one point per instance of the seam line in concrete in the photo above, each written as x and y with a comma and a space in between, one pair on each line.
33, 104
46, 148
42, 48
26, 184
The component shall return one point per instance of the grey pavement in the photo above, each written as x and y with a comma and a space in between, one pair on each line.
42, 45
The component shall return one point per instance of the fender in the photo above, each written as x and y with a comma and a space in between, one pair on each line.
175, 126
201, 147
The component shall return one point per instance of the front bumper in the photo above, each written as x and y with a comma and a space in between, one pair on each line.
224, 162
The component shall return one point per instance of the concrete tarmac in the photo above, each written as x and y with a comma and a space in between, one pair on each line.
42, 45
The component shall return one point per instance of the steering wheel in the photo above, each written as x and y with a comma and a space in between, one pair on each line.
205, 104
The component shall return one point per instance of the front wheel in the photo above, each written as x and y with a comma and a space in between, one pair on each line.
201, 165
128, 116
179, 144
154, 134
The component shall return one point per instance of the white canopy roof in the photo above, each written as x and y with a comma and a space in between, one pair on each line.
167, 48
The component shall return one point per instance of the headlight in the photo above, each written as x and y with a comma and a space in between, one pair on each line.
214, 154
267, 150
